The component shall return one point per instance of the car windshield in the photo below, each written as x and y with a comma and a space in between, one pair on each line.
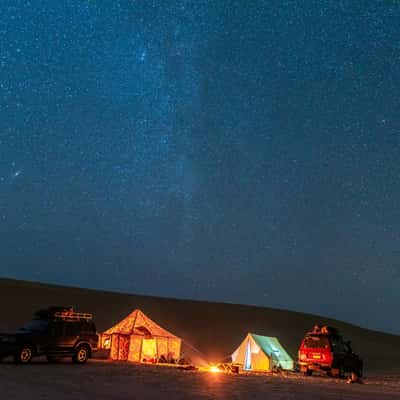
36, 325
316, 342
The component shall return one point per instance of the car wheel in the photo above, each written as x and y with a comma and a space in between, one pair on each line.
81, 355
308, 372
23, 355
338, 372
359, 373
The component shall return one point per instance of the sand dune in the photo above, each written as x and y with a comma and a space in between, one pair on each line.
214, 328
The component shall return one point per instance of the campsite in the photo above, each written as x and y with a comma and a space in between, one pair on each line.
204, 332
118, 381
199, 200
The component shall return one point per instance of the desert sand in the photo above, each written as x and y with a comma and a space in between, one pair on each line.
116, 381
213, 328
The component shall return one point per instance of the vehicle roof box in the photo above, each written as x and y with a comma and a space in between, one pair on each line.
46, 313
64, 313
325, 330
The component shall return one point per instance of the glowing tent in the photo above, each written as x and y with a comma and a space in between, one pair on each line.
261, 353
139, 339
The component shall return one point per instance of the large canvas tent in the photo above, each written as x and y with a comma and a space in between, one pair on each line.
261, 353
139, 339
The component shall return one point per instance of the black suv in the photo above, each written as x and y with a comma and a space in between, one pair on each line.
56, 332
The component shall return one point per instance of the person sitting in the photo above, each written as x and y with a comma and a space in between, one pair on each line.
162, 359
354, 378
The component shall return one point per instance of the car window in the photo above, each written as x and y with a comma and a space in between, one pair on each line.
88, 327
36, 325
316, 342
72, 329
56, 329
338, 345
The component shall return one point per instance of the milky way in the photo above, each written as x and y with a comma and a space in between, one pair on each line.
205, 150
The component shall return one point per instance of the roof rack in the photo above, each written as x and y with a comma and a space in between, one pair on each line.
324, 330
72, 315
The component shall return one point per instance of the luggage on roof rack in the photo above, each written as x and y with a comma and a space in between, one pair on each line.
72, 315
324, 330
65, 313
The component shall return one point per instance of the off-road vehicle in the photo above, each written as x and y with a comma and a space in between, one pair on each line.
324, 349
55, 332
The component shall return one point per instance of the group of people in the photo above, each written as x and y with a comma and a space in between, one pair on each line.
165, 359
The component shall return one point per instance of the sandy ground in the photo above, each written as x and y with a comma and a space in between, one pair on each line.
105, 380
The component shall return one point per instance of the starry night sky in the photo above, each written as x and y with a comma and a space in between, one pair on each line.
206, 150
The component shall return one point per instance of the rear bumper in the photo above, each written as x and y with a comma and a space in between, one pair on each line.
314, 366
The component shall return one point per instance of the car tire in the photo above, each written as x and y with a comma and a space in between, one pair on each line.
338, 372
23, 355
81, 354
308, 372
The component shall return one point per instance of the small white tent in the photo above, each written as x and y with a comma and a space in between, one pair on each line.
261, 353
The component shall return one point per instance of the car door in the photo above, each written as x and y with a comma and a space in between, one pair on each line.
88, 333
40, 336
339, 353
351, 362
56, 333
71, 334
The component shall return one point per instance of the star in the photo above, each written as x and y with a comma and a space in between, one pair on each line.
196, 139
16, 174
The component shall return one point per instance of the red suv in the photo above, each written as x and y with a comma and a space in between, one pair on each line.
324, 349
